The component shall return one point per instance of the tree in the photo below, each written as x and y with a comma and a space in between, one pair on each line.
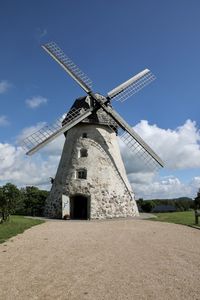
9, 195
140, 202
34, 200
2, 205
147, 206
197, 201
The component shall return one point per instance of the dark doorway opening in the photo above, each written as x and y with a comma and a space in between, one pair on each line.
79, 207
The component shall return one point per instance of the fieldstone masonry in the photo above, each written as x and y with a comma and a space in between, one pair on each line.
106, 185
91, 176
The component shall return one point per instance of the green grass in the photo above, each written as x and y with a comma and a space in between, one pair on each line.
184, 218
16, 225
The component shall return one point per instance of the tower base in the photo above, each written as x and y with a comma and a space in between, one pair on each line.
91, 181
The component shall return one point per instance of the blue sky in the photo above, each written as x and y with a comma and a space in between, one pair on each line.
110, 41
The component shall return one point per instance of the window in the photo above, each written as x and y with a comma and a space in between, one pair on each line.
84, 135
82, 174
83, 152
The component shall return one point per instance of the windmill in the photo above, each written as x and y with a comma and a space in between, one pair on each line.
91, 181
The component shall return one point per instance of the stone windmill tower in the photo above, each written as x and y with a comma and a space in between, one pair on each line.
91, 181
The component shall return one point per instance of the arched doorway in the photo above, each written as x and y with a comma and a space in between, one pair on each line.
79, 207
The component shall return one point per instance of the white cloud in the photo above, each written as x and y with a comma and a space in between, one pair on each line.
36, 101
160, 188
166, 187
54, 148
179, 149
29, 130
22, 170
43, 32
195, 183
4, 121
4, 86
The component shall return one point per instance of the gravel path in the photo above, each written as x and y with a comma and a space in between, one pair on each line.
124, 259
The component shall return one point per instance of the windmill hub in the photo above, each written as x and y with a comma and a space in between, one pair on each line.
98, 116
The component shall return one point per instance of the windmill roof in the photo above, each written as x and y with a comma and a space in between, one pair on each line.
97, 117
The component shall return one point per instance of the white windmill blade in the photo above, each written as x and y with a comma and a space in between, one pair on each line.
131, 86
48, 133
67, 64
127, 128
139, 151
130, 132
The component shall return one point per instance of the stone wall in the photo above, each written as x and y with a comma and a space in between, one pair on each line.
106, 184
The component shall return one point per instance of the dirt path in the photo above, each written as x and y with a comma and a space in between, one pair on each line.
126, 259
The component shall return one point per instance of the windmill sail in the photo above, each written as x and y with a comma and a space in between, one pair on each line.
127, 128
48, 133
67, 64
139, 151
131, 86
134, 140
45, 135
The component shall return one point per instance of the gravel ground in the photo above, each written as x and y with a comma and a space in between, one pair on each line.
124, 259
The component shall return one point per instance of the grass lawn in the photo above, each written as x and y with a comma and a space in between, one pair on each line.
16, 224
184, 218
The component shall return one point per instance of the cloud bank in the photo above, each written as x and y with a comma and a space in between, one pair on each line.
179, 148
